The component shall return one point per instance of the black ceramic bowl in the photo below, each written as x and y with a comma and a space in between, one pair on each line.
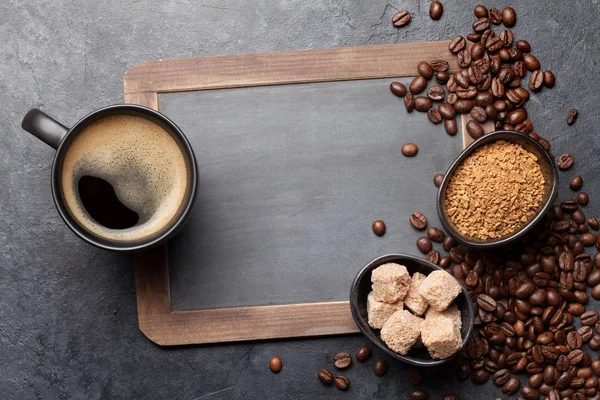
358, 304
549, 172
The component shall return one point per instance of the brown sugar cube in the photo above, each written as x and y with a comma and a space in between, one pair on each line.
390, 282
379, 312
451, 312
441, 337
401, 331
413, 300
439, 289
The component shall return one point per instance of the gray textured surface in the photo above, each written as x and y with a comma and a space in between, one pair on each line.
291, 179
67, 315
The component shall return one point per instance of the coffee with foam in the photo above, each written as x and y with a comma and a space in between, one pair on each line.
143, 163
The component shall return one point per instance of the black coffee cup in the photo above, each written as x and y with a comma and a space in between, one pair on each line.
60, 137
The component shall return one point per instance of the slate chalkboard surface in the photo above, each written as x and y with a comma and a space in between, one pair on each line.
291, 178
298, 153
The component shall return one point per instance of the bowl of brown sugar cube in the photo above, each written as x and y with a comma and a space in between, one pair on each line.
497, 190
412, 309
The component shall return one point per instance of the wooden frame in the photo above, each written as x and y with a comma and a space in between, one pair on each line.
144, 81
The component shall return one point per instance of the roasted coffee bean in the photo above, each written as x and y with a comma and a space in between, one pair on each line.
596, 292
435, 10
474, 37
507, 37
475, 76
513, 96
509, 17
451, 397
478, 114
549, 78
378, 225
572, 117
589, 317
525, 289
594, 342
480, 11
463, 58
437, 179
586, 333
490, 112
520, 69
550, 374
342, 383
481, 24
398, 89
449, 243
486, 302
433, 257
418, 84
497, 88
435, 234
363, 353
475, 130
342, 360
587, 239
439, 65
501, 377
595, 366
401, 18
517, 116
451, 126
445, 262
569, 205
463, 372
575, 356
512, 385
483, 99
409, 101
425, 69
418, 220
530, 393
325, 376
447, 111
584, 373
442, 77
424, 244
423, 104
436, 93
494, 44
536, 80
468, 93
583, 199
576, 309
418, 394
576, 182
506, 75
535, 381
574, 340
578, 216
414, 375
451, 98
565, 161
504, 55
523, 45
480, 377
461, 80
275, 364
380, 367
550, 354
463, 106
477, 51
434, 115
531, 62
457, 44
495, 16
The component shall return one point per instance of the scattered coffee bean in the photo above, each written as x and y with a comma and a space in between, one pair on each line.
418, 84
425, 69
593, 223
523, 45
398, 89
463, 371
342, 383
531, 62
549, 78
435, 10
380, 367
583, 199
410, 149
439, 65
512, 385
414, 375
378, 227
442, 77
401, 18
480, 377
576, 182
495, 16
275, 364
435, 234
342, 360
457, 44
325, 376
422, 103
437, 179
446, 111
536, 80
480, 11
451, 126
424, 244
418, 394
509, 17
463, 106
451, 397
478, 114
409, 101
481, 24
436, 93
363, 354
572, 117
565, 161
475, 130
434, 115
589, 317
596, 292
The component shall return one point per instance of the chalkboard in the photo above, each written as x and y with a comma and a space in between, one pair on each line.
298, 153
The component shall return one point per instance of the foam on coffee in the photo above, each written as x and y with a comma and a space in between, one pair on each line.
142, 162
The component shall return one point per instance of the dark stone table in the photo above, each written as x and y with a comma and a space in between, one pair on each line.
68, 324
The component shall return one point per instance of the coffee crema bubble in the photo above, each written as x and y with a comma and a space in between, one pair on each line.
143, 163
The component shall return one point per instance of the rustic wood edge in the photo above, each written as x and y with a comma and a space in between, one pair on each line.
278, 68
156, 319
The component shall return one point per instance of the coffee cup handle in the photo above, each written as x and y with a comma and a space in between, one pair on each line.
43, 127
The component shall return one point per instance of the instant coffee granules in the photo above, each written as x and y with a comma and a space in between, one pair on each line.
494, 191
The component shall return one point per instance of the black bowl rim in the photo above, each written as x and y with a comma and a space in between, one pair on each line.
490, 137
370, 333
